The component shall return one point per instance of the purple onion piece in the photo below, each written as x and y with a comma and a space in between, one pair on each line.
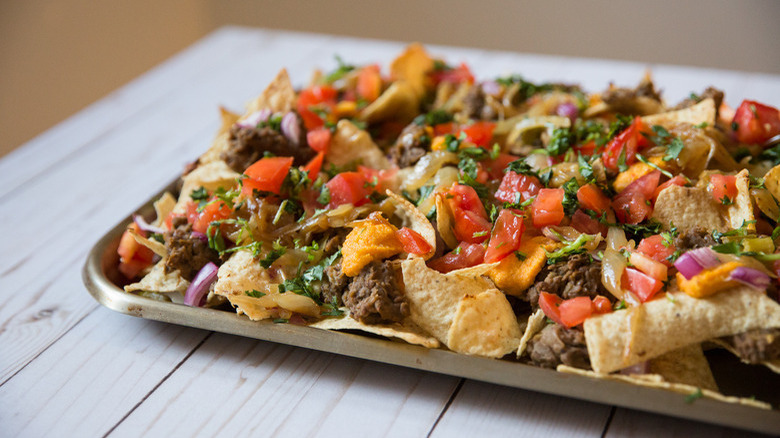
199, 235
256, 117
491, 88
568, 109
196, 292
750, 277
695, 261
291, 127
640, 368
145, 226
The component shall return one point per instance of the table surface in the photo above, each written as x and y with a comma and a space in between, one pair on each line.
69, 367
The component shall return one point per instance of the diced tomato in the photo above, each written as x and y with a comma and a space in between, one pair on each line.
641, 284
319, 139
348, 188
496, 167
369, 83
444, 128
756, 122
321, 97
601, 305
314, 166
471, 221
583, 223
506, 235
723, 188
480, 133
464, 256
649, 266
547, 208
412, 242
628, 142
215, 211
266, 175
592, 198
586, 149
632, 205
513, 183
678, 180
656, 248
549, 304
129, 248
575, 311
456, 75
378, 180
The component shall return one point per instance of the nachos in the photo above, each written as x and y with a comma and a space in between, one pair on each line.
610, 233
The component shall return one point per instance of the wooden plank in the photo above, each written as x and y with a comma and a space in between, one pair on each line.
628, 422
85, 383
482, 409
266, 389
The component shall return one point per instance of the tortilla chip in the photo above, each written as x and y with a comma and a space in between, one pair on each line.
412, 66
221, 141
406, 332
242, 273
772, 181
279, 96
740, 211
626, 337
444, 221
163, 208
514, 276
657, 381
156, 247
399, 103
210, 176
434, 297
536, 323
158, 281
688, 208
702, 112
484, 325
417, 221
686, 365
351, 144
766, 203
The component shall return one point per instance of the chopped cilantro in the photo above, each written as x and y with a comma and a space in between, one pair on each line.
560, 142
277, 251
255, 293
199, 194
324, 197
620, 305
520, 256
690, 398
433, 118
575, 247
570, 202
586, 169
621, 163
341, 70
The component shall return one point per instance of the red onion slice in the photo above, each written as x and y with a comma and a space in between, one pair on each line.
568, 109
291, 128
751, 277
256, 117
196, 292
695, 261
145, 226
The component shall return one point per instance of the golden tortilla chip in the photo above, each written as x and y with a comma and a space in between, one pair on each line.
351, 144
417, 221
626, 337
702, 112
688, 208
444, 221
740, 211
766, 203
163, 207
698, 151
686, 365
536, 323
158, 281
399, 103
773, 365
657, 381
221, 141
433, 297
279, 96
412, 66
484, 325
406, 332
210, 176
772, 182
156, 247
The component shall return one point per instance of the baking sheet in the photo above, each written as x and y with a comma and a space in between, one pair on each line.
100, 277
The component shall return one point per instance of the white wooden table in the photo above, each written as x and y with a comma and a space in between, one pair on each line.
69, 367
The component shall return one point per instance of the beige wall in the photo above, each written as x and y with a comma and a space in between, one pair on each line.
57, 56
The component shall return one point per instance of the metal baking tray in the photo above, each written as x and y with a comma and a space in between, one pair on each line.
100, 277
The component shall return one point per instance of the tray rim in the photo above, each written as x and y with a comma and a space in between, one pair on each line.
399, 353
